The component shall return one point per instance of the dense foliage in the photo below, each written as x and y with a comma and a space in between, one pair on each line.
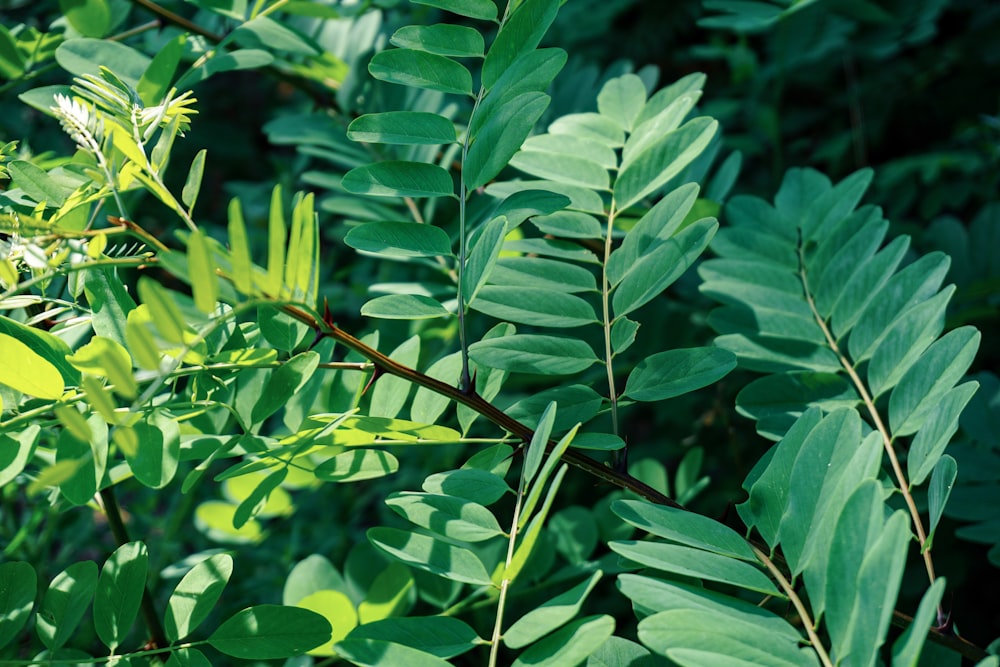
463, 332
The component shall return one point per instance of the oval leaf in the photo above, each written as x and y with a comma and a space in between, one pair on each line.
398, 179
677, 372
268, 632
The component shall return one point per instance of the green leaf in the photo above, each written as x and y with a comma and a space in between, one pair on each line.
339, 612
404, 307
11, 60
27, 371
46, 345
483, 257
195, 595
569, 225
590, 126
90, 456
570, 645
662, 161
391, 392
499, 135
187, 657
531, 353
103, 357
541, 272
484, 10
37, 184
192, 186
155, 81
201, 266
658, 269
675, 372
942, 482
906, 650
866, 284
279, 329
923, 386
119, 593
263, 32
87, 56
656, 227
109, 302
283, 383
15, 452
268, 632
780, 399
621, 99
402, 127
684, 527
154, 461
381, 653
651, 595
770, 355
539, 443
400, 239
537, 306
163, 310
562, 168
690, 562
443, 636
451, 517
309, 574
17, 597
65, 603
420, 69
550, 615
520, 32
399, 179
441, 558
700, 638
443, 39
357, 465
479, 486
937, 430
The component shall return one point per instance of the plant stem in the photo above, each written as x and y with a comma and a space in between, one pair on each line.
620, 460
118, 529
866, 397
800, 608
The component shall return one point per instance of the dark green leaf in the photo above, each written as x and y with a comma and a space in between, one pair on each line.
263, 32
684, 527
443, 636
420, 69
65, 603
119, 593
500, 135
541, 272
530, 353
441, 558
906, 651
399, 239
675, 372
658, 269
538, 306
404, 307
17, 597
520, 33
482, 258
452, 517
485, 10
942, 482
195, 595
399, 179
700, 638
690, 562
155, 81
381, 653
662, 161
268, 632
402, 127
357, 465
926, 382
550, 615
570, 645
37, 184
87, 56
283, 383
155, 459
443, 39
479, 486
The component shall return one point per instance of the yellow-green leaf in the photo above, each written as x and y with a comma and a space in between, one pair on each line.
26, 371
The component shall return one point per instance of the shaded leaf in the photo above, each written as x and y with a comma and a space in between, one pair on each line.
399, 179
402, 127
195, 595
530, 353
119, 593
426, 553
267, 632
420, 69
675, 372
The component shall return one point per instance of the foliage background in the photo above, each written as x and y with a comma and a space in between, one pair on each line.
909, 88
